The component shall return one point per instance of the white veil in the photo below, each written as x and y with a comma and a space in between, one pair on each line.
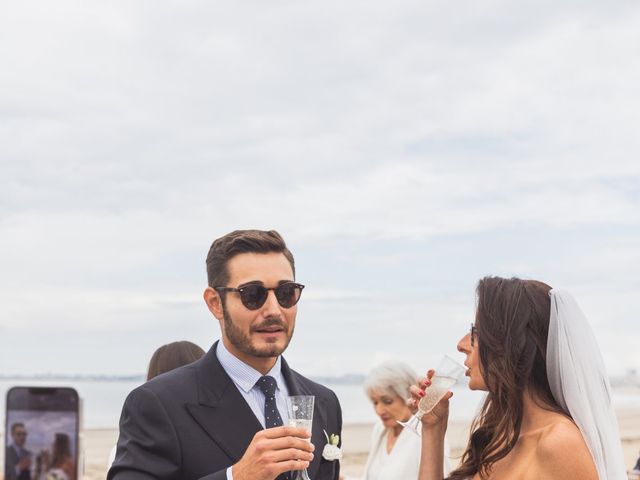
580, 385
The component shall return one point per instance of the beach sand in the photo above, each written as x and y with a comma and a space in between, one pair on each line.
356, 438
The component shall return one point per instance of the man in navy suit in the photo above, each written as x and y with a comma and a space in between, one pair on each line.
224, 417
17, 458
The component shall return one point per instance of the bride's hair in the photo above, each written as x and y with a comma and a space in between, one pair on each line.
512, 322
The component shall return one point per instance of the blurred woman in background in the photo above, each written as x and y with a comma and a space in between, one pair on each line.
166, 358
173, 355
395, 451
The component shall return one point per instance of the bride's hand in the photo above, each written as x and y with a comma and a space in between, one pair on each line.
439, 415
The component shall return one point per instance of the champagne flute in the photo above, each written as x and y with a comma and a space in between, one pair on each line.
300, 409
446, 375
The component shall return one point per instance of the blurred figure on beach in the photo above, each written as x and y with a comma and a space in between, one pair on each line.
17, 457
548, 412
62, 464
395, 450
166, 358
636, 469
171, 356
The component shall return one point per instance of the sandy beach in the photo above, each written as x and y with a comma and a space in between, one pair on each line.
356, 437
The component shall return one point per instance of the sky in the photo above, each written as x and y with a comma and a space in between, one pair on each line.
403, 149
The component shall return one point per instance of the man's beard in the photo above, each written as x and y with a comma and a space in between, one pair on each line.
243, 343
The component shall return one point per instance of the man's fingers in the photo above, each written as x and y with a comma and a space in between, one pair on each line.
283, 443
278, 432
289, 465
292, 454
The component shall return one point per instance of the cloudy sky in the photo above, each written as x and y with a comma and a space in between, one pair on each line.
404, 150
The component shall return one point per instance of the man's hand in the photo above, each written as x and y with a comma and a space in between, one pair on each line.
24, 463
274, 451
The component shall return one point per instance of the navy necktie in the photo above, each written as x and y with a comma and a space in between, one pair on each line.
272, 416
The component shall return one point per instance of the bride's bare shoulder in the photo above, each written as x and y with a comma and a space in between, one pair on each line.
562, 451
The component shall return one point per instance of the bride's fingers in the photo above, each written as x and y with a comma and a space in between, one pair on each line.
440, 412
442, 407
416, 392
413, 405
426, 382
423, 382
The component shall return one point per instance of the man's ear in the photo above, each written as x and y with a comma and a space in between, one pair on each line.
214, 302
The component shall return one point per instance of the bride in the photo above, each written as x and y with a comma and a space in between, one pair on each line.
548, 412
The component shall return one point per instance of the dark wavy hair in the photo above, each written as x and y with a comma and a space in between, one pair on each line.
61, 449
512, 322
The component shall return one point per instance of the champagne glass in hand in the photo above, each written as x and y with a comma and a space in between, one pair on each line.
300, 409
446, 375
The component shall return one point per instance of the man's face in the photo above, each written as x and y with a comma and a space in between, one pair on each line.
19, 435
265, 332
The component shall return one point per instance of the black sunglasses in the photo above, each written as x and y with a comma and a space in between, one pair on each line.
473, 333
254, 295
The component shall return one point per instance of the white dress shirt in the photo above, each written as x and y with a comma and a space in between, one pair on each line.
244, 377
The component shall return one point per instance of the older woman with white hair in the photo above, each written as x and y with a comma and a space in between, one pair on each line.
395, 451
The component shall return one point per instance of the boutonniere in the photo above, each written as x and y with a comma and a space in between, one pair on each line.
331, 451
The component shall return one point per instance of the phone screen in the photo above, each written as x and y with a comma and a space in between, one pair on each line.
41, 428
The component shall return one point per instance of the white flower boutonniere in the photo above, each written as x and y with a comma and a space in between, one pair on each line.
331, 451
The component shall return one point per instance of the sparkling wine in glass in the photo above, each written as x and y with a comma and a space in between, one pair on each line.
446, 375
300, 409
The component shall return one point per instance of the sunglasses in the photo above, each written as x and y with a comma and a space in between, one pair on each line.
473, 332
254, 295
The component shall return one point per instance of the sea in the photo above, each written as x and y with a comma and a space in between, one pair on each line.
102, 399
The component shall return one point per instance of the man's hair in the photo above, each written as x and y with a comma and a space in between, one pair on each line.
242, 241
16, 425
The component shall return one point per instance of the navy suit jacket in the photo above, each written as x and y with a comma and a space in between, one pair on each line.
192, 423
11, 461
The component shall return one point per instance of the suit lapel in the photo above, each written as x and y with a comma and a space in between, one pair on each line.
298, 386
224, 415
221, 410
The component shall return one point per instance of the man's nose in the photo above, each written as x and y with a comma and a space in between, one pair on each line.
271, 305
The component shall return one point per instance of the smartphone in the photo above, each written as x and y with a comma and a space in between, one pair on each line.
42, 433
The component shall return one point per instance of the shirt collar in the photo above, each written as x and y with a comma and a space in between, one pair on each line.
243, 375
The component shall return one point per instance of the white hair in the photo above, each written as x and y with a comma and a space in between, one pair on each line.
392, 377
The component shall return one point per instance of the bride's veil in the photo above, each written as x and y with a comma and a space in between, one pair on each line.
580, 385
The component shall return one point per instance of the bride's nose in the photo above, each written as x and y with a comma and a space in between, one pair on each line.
464, 345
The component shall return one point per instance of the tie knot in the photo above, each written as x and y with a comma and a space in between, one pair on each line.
268, 385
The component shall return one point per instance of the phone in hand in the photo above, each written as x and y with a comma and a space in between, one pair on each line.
42, 433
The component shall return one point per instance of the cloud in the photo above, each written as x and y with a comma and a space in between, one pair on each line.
425, 142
